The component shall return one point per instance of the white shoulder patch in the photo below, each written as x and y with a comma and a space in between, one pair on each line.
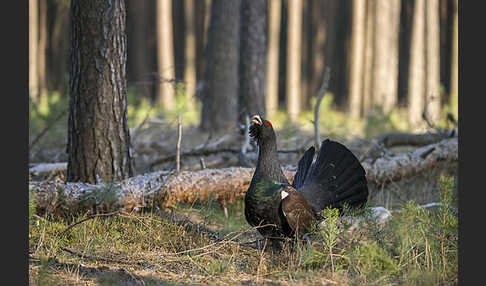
284, 194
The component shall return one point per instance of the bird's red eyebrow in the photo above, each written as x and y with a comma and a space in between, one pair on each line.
269, 124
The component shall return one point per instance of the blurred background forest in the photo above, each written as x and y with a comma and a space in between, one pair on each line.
393, 66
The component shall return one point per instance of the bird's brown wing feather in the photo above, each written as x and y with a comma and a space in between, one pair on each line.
297, 211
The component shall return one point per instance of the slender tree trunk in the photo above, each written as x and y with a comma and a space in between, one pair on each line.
140, 43
385, 59
98, 134
416, 79
220, 92
253, 52
41, 56
190, 52
58, 51
319, 28
165, 54
33, 42
432, 40
294, 58
368, 58
357, 54
454, 91
271, 98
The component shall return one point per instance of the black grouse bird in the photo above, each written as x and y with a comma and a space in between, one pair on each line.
335, 178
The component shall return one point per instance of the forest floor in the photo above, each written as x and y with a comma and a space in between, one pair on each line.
198, 245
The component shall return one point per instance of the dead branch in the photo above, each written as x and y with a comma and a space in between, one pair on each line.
320, 95
165, 189
408, 139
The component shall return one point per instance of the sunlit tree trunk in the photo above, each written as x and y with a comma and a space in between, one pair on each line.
165, 54
294, 58
190, 52
454, 92
33, 42
385, 58
416, 79
368, 58
357, 55
432, 40
41, 57
98, 134
271, 98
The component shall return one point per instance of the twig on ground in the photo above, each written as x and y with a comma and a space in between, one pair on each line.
178, 146
320, 95
88, 218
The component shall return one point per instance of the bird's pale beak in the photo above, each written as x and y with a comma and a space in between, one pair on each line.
257, 119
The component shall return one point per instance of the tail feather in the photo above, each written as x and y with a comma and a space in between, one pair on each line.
334, 179
303, 168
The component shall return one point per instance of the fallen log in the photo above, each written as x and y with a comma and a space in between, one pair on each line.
165, 189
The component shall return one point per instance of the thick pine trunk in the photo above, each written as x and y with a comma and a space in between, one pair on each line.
253, 52
220, 92
98, 134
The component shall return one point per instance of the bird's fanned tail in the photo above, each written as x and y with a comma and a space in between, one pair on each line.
335, 178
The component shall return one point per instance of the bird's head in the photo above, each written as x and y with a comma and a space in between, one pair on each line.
261, 130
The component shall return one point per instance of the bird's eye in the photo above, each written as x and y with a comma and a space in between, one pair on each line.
269, 124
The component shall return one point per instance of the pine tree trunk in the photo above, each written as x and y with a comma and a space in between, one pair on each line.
357, 55
385, 59
33, 42
98, 134
416, 79
294, 58
253, 52
165, 54
190, 52
432, 40
41, 56
368, 58
219, 95
454, 91
139, 50
271, 98
319, 28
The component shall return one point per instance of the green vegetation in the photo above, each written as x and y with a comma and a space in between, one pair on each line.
416, 246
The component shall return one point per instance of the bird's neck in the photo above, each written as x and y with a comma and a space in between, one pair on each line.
268, 165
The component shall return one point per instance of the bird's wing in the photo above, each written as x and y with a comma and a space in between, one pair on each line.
297, 211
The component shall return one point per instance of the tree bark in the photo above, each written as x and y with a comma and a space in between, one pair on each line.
33, 42
294, 58
357, 55
319, 33
190, 52
165, 54
271, 97
454, 91
416, 79
165, 189
432, 40
252, 65
41, 56
385, 56
220, 92
98, 134
368, 58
